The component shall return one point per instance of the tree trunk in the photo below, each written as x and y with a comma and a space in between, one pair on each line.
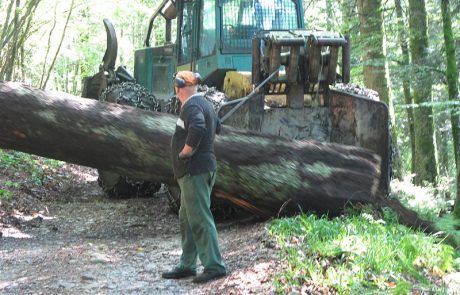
405, 79
452, 80
348, 15
425, 155
5, 28
14, 34
330, 15
442, 138
370, 17
256, 171
48, 47
75, 77
43, 86
374, 64
14, 44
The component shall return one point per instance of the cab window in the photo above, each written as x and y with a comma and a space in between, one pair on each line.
207, 28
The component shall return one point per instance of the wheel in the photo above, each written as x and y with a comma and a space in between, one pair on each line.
132, 94
213, 95
117, 186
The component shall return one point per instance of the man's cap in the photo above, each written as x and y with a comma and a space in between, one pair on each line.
186, 78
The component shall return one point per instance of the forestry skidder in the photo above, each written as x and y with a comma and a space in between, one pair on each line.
280, 76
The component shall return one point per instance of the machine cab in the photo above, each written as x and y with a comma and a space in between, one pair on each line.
211, 37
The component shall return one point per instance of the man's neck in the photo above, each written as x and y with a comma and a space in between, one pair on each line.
188, 98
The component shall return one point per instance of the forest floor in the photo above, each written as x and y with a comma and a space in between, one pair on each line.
66, 237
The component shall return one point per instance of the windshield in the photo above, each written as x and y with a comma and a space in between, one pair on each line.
241, 19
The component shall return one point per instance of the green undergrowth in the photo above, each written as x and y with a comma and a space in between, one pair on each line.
33, 167
450, 225
358, 253
431, 203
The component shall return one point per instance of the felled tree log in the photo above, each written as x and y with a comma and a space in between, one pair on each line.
261, 173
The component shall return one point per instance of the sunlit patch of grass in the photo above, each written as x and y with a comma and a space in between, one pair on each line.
427, 201
358, 253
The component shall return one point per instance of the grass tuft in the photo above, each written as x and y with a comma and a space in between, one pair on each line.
358, 253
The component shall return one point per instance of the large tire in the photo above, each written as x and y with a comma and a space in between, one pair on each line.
118, 186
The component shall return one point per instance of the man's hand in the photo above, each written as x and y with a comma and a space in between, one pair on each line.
186, 152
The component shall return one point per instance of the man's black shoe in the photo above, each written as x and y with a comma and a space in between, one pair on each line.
178, 273
207, 276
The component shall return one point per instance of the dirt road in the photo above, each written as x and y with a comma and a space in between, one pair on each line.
67, 238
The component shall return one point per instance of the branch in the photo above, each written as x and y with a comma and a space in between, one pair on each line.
18, 26
13, 48
48, 47
59, 47
30, 9
5, 25
456, 9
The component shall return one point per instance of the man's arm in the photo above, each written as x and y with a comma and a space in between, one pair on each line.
196, 125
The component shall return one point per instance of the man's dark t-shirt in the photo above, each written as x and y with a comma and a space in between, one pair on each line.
196, 126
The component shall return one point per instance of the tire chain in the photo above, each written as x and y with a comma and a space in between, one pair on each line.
131, 94
213, 95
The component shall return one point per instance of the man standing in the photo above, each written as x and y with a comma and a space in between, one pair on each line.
194, 165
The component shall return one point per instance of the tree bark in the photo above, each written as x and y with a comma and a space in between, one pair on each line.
75, 77
262, 173
14, 44
348, 15
425, 155
402, 36
5, 28
330, 15
374, 65
374, 73
452, 80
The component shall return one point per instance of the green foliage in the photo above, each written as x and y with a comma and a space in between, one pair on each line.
35, 166
5, 194
357, 253
428, 201
84, 42
12, 184
450, 225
